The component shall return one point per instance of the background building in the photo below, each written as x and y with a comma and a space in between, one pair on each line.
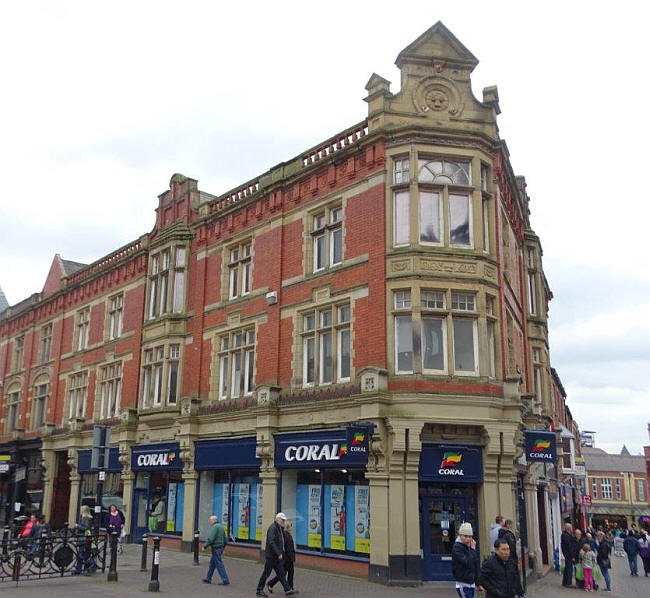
618, 485
357, 337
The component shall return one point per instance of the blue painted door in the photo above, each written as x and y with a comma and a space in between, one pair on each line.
440, 518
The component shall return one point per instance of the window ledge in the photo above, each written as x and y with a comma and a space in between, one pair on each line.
349, 263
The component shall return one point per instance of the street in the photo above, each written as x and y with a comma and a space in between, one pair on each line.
179, 577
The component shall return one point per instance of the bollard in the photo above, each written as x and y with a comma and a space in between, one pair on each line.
112, 569
66, 530
143, 557
5, 540
154, 584
195, 546
15, 573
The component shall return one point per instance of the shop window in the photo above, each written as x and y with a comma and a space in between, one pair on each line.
167, 281
326, 345
46, 343
237, 499
160, 501
110, 390
41, 392
343, 526
77, 394
327, 238
115, 316
113, 493
240, 268
160, 376
236, 364
82, 329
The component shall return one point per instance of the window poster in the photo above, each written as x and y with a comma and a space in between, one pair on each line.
225, 506
171, 507
259, 515
362, 519
337, 517
314, 533
243, 512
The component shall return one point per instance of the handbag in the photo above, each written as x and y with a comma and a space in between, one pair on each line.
606, 563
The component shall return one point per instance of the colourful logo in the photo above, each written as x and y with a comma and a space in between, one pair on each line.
343, 450
451, 459
358, 438
170, 457
541, 446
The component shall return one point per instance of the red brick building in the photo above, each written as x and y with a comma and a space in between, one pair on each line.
349, 337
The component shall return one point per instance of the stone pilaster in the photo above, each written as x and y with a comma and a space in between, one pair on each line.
49, 462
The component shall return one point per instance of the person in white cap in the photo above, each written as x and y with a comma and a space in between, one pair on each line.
275, 554
464, 562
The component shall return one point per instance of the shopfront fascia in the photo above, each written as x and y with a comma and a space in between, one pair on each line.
449, 477
324, 492
230, 487
113, 484
158, 471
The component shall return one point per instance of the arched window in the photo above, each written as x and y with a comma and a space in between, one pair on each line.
39, 401
13, 407
444, 172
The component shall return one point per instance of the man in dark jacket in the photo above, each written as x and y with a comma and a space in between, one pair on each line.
464, 562
498, 577
569, 546
274, 552
631, 547
289, 558
509, 536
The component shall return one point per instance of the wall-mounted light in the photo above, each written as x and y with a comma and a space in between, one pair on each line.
271, 297
317, 470
344, 471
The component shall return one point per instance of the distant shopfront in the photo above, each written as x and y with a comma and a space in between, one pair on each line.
113, 484
449, 479
158, 483
324, 490
230, 487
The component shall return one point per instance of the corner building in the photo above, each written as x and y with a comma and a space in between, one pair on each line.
345, 338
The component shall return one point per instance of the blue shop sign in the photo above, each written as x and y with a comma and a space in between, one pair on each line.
451, 463
540, 446
113, 465
326, 449
156, 457
233, 453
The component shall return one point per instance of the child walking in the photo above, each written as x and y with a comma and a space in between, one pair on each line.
588, 561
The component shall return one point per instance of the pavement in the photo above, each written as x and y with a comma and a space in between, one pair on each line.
178, 577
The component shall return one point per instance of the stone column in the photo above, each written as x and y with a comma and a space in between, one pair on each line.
128, 480
379, 526
190, 479
49, 462
532, 519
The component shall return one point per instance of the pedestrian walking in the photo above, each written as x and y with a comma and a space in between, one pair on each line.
494, 531
464, 562
85, 561
508, 534
498, 576
568, 545
290, 559
216, 542
631, 547
115, 520
603, 553
644, 553
588, 562
274, 552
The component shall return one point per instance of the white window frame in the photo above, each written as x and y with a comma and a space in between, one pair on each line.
401, 168
532, 293
240, 269
13, 409
401, 198
41, 395
326, 224
228, 350
398, 317
474, 321
594, 488
606, 488
46, 343
443, 325
110, 390
617, 488
441, 227
470, 216
82, 328
77, 394
640, 490
19, 353
115, 316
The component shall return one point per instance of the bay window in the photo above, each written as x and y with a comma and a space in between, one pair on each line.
167, 281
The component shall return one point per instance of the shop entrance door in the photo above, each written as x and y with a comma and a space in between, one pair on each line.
440, 518
139, 518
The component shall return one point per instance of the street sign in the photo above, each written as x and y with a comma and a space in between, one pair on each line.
4, 467
586, 500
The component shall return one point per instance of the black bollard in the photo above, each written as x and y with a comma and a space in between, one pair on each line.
15, 573
195, 547
143, 558
154, 584
112, 569
66, 531
5, 540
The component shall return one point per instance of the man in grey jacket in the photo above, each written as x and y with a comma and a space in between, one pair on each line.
494, 531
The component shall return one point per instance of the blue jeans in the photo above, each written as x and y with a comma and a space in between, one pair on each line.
465, 592
632, 560
606, 577
217, 563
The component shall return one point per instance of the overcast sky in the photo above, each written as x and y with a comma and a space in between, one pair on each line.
103, 102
